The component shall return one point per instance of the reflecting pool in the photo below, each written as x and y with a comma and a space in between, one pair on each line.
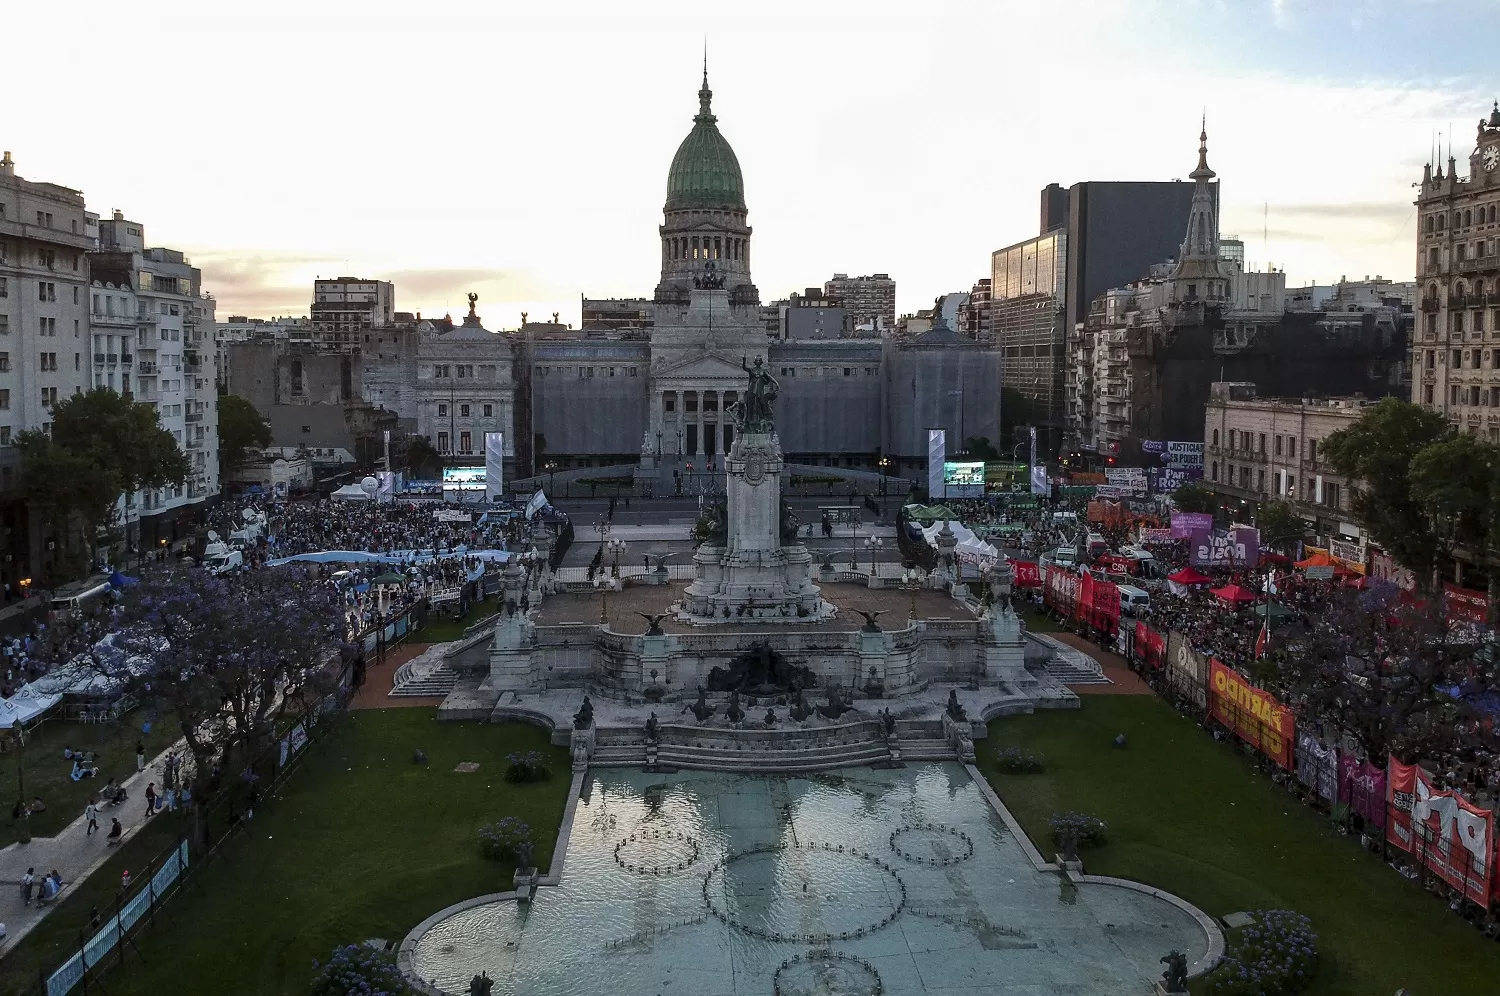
901, 882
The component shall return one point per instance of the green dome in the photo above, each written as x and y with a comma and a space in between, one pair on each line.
705, 172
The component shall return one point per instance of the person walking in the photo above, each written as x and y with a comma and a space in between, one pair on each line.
92, 812
140, 755
150, 798
27, 882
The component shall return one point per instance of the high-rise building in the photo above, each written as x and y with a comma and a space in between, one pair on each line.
344, 309
1115, 232
1454, 362
172, 342
1028, 305
870, 300
44, 338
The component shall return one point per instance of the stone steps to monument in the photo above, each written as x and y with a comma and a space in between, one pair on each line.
1075, 672
926, 750
437, 682
721, 759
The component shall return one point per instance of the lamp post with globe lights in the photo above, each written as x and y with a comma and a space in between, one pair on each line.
873, 544
616, 547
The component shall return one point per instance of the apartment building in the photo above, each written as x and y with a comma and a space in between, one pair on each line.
345, 309
870, 300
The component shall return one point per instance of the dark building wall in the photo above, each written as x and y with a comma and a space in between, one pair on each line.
1303, 355
821, 410
1054, 212
590, 416
251, 373
1116, 232
953, 387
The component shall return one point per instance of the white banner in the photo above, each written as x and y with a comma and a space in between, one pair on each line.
937, 452
494, 465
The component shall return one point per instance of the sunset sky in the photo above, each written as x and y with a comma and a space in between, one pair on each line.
456, 146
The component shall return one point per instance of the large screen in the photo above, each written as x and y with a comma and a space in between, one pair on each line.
963, 480
463, 478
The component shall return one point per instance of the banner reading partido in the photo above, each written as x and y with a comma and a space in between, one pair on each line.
1253, 714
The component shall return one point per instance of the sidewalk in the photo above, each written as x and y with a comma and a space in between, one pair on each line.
1123, 680
72, 853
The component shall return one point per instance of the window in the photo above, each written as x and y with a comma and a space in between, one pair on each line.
5, 439
669, 401
1215, 470
1431, 359
4, 362
1453, 394
1262, 444
1456, 360
1474, 358
1432, 259
1244, 477
1278, 444
75, 362
4, 397
1216, 441
49, 396
1312, 450
1331, 495
4, 287
465, 443
1427, 394
4, 324
46, 290
1260, 480
442, 411
442, 442
1291, 446
489, 411
463, 410
848, 371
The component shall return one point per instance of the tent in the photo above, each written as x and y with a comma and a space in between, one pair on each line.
1189, 576
24, 706
929, 513
1278, 611
1324, 560
350, 492
1234, 594
390, 577
970, 547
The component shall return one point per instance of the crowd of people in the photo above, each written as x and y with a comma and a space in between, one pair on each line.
296, 527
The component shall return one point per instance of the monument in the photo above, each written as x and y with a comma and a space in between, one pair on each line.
750, 565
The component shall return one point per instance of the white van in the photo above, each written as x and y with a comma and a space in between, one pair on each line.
218, 558
73, 598
1133, 601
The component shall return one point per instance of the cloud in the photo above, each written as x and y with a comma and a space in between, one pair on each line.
1382, 212
258, 283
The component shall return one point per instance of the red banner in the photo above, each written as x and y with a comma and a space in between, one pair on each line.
1150, 646
1254, 715
1061, 593
1443, 830
1465, 605
1028, 575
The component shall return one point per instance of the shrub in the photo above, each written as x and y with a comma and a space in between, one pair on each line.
527, 766
1016, 761
1277, 955
1090, 829
359, 968
509, 838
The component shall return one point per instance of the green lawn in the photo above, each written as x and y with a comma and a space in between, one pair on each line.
361, 843
1189, 815
442, 630
47, 775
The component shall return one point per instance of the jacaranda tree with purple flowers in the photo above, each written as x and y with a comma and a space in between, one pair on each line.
230, 658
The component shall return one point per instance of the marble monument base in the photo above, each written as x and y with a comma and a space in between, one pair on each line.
762, 585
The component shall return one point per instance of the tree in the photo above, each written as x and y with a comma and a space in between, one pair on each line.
240, 428
1278, 522
101, 445
1193, 498
980, 448
1456, 483
229, 658
423, 462
1380, 669
1377, 451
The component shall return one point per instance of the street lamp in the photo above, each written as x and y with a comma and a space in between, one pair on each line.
552, 475
616, 547
873, 544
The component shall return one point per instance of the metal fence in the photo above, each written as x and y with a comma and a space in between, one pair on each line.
175, 867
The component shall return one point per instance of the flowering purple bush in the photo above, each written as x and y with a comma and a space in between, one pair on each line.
359, 969
512, 837
1089, 828
1277, 955
527, 766
1017, 761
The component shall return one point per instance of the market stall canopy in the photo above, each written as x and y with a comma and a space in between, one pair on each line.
1234, 594
1189, 576
1324, 560
24, 706
1277, 610
930, 513
350, 492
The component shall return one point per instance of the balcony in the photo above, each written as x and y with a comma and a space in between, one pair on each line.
147, 368
127, 358
1430, 304
1476, 263
98, 357
193, 442
193, 417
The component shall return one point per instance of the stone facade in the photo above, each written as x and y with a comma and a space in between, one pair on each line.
1456, 354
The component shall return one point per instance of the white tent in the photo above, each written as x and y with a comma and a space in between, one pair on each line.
970, 547
24, 706
350, 492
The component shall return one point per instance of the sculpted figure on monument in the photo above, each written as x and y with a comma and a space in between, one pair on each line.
790, 524
755, 412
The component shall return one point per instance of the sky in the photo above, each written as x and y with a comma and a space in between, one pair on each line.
520, 150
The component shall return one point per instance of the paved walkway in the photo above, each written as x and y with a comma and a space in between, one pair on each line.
1123, 680
71, 852
375, 693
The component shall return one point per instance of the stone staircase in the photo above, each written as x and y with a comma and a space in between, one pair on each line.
715, 751
1070, 666
436, 682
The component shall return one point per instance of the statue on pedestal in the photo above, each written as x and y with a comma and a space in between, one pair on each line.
653, 729
1174, 979
955, 709
584, 717
754, 413
481, 985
